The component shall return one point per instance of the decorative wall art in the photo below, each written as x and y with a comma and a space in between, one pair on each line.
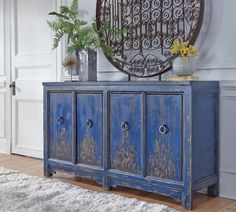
150, 28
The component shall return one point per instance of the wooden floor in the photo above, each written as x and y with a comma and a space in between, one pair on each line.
202, 203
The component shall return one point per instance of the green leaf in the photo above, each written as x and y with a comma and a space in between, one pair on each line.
57, 38
74, 7
53, 25
79, 35
58, 15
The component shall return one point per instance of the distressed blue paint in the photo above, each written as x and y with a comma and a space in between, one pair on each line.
207, 136
164, 151
125, 145
74, 121
89, 109
60, 145
189, 109
106, 145
46, 134
187, 195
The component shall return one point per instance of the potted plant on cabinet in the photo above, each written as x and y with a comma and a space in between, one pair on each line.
184, 65
81, 39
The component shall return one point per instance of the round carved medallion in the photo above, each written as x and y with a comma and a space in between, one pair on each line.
148, 29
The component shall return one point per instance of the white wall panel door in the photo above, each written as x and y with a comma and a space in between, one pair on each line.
33, 62
2, 73
4, 93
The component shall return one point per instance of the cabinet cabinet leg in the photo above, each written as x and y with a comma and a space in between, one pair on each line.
187, 201
47, 171
213, 191
47, 174
106, 184
107, 188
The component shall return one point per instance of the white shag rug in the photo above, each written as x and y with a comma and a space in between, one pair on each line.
20, 192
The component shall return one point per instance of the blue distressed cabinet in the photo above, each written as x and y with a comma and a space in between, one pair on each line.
160, 137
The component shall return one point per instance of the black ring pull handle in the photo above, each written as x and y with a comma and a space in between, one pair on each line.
89, 123
60, 120
163, 129
124, 126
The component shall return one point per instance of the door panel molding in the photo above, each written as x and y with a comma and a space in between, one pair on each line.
33, 62
2, 84
37, 73
24, 134
2, 37
22, 24
3, 114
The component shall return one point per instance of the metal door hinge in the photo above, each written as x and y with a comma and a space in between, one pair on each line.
13, 88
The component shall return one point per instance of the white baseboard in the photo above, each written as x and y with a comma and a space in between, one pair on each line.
228, 184
5, 147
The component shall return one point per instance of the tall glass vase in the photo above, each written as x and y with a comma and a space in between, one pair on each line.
87, 65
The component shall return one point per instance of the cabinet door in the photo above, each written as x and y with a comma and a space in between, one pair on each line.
89, 129
164, 136
60, 126
125, 132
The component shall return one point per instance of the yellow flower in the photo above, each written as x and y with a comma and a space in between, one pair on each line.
175, 47
183, 46
185, 58
192, 50
184, 50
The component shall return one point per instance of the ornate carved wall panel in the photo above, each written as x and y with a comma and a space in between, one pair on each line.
149, 28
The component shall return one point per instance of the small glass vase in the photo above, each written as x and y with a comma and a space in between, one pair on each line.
183, 68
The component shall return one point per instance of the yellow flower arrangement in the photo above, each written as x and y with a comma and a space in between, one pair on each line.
184, 50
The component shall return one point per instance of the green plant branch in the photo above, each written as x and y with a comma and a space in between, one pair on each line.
79, 35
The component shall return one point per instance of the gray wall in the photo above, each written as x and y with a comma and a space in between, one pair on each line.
228, 140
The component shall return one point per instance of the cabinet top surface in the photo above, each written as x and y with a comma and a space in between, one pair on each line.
133, 83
